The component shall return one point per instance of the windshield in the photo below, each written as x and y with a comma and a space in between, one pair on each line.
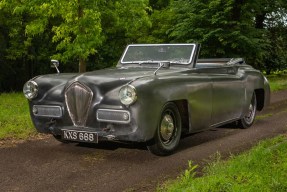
155, 53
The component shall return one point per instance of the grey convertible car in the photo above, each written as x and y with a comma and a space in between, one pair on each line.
157, 93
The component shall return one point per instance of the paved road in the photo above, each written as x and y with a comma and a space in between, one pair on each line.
47, 165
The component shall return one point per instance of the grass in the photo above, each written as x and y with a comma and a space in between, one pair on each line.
278, 81
15, 119
263, 168
258, 117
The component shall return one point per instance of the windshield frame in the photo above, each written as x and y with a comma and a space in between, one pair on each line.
159, 61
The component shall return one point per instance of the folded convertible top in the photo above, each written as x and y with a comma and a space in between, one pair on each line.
228, 61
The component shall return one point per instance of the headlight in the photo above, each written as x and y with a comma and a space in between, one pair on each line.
128, 95
30, 89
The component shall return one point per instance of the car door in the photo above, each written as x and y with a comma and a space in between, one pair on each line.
227, 94
199, 90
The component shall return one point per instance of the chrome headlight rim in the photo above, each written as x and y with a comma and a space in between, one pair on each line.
128, 95
30, 89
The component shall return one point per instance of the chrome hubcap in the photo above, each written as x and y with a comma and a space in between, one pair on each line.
167, 128
249, 117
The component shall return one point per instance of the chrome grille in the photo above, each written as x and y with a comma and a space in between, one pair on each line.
47, 111
78, 100
115, 116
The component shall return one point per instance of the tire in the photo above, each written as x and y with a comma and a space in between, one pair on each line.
168, 131
249, 117
58, 138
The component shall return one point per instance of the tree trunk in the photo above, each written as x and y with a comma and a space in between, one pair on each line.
82, 62
259, 21
237, 9
82, 65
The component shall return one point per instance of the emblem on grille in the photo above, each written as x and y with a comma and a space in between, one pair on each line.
78, 100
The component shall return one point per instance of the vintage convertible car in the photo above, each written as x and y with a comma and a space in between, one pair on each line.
157, 93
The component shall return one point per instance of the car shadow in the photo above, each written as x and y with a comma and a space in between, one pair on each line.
200, 138
187, 141
113, 145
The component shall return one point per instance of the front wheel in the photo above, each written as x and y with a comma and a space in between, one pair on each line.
168, 131
249, 117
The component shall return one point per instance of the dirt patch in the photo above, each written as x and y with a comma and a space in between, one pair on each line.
13, 142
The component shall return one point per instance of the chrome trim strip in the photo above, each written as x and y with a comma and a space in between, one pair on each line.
48, 107
138, 45
224, 122
114, 121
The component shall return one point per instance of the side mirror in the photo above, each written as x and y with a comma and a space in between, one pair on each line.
55, 64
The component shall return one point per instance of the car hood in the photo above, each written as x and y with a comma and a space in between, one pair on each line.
101, 81
118, 74
96, 77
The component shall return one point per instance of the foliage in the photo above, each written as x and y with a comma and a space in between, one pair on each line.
228, 29
14, 117
21, 56
93, 34
72, 31
162, 21
277, 57
264, 168
224, 28
79, 34
123, 22
159, 4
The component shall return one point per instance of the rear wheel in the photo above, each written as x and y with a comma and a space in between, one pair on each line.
249, 117
168, 131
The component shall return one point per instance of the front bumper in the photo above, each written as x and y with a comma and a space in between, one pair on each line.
111, 133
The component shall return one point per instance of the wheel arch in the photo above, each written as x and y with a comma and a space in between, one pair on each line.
260, 97
159, 144
182, 106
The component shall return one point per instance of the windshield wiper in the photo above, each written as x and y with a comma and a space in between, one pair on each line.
162, 64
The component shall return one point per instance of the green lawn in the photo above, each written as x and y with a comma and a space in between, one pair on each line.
278, 81
15, 119
263, 168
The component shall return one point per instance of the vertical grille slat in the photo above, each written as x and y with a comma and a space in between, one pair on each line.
78, 100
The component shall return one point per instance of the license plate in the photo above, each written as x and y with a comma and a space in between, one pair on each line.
80, 136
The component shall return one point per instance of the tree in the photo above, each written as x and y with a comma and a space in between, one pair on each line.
20, 53
123, 22
77, 25
232, 28
159, 4
79, 34
88, 32
222, 27
87, 27
162, 21
271, 16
